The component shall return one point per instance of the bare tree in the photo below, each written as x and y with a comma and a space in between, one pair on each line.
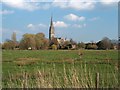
106, 42
13, 39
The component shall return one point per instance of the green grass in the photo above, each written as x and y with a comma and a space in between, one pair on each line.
59, 68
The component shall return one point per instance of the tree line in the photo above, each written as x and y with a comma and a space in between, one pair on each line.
39, 41
104, 44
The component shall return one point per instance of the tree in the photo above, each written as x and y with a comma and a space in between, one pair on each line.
81, 45
0, 45
112, 46
100, 45
22, 44
41, 41
54, 47
8, 44
46, 43
72, 41
34, 41
14, 41
67, 45
28, 41
104, 44
91, 46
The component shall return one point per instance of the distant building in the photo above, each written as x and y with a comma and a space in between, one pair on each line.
51, 30
59, 42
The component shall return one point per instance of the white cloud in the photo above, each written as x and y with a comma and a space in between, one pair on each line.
82, 5
30, 26
78, 25
36, 27
46, 6
42, 25
74, 17
32, 5
60, 24
5, 12
22, 4
94, 18
108, 2
78, 5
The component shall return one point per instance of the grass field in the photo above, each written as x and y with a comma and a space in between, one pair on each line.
59, 69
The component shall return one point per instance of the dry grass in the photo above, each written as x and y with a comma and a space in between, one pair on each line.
26, 61
29, 61
23, 59
51, 78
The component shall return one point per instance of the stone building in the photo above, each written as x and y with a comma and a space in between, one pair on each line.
51, 30
59, 42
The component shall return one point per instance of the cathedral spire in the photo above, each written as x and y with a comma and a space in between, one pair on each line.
51, 21
51, 30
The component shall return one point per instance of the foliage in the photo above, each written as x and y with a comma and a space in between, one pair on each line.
72, 41
28, 41
81, 45
35, 41
0, 45
54, 47
8, 45
104, 43
39, 41
91, 46
107, 43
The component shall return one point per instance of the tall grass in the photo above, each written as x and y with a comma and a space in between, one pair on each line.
59, 69
73, 77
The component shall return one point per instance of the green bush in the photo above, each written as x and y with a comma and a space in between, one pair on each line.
54, 47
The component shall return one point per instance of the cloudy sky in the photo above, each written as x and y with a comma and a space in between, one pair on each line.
80, 20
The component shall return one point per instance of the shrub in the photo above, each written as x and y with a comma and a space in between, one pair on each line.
54, 47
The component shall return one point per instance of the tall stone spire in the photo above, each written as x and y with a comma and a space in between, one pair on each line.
51, 30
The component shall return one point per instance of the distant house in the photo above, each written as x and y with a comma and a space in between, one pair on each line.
115, 47
29, 48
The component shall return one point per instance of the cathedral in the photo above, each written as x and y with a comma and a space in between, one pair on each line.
61, 43
51, 30
52, 39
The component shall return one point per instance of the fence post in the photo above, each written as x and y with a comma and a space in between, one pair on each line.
97, 80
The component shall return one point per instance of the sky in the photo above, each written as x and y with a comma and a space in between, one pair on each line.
80, 20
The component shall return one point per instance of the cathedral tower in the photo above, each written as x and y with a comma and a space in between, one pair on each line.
51, 30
